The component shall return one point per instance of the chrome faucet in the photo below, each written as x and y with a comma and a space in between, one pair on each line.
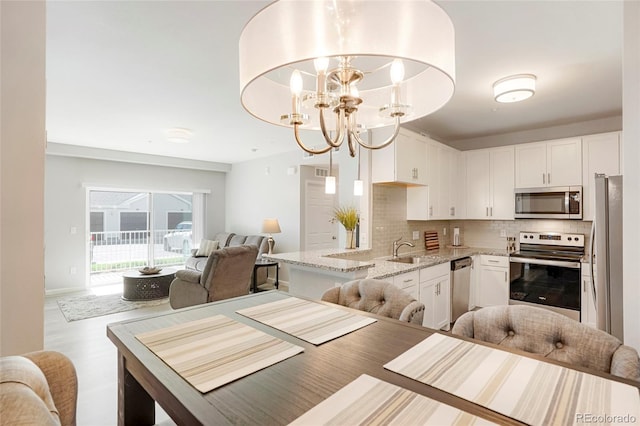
397, 244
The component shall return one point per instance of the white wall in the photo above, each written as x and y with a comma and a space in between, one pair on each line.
631, 186
261, 189
22, 48
67, 179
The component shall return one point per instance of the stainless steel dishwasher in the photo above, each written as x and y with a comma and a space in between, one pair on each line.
460, 279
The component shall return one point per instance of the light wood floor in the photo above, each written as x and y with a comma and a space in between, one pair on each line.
85, 342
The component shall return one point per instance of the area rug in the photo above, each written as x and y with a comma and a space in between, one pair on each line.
89, 306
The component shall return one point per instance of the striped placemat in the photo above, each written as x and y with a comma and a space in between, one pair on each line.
214, 351
313, 322
531, 391
370, 401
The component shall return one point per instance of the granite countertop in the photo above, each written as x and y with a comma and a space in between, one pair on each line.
380, 267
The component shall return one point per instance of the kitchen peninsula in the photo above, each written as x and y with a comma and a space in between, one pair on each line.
311, 273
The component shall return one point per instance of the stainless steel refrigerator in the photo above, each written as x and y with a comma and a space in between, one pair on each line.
606, 244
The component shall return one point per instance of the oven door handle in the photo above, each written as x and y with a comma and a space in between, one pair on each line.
564, 264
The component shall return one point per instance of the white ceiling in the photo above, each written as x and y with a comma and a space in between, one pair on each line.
120, 73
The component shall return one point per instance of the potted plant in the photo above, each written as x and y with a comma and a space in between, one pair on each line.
348, 217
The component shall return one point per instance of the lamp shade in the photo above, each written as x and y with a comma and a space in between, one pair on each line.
289, 35
271, 226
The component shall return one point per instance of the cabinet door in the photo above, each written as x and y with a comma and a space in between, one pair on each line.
428, 298
442, 306
600, 154
531, 165
433, 178
502, 184
477, 184
564, 162
418, 203
493, 288
411, 155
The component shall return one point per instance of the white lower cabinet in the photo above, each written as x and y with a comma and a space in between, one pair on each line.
408, 282
435, 294
493, 281
587, 301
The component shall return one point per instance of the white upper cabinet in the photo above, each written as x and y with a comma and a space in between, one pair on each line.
600, 154
551, 163
438, 201
490, 183
404, 161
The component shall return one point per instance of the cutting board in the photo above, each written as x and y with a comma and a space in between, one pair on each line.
431, 240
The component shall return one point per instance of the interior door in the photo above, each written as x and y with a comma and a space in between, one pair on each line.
320, 231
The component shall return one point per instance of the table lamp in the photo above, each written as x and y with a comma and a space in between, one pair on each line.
270, 226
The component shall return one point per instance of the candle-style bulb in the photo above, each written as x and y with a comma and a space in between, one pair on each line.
397, 71
295, 83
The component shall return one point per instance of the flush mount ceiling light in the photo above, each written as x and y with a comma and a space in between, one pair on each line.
337, 64
179, 135
515, 88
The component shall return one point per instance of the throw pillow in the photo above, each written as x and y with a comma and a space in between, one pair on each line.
206, 248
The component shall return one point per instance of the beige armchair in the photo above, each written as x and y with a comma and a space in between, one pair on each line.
226, 274
378, 297
38, 388
541, 331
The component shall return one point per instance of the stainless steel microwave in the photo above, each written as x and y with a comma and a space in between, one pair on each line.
560, 202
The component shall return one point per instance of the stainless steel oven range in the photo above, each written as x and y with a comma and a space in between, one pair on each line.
546, 272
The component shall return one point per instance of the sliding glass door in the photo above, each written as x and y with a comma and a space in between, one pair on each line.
129, 230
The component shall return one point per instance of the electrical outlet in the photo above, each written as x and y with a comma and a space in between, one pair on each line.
416, 235
72, 270
503, 233
444, 231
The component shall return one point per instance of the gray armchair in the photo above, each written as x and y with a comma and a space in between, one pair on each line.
378, 297
543, 332
226, 274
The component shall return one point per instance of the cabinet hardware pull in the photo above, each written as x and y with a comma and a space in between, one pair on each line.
549, 178
543, 179
430, 210
487, 211
491, 211
505, 276
408, 281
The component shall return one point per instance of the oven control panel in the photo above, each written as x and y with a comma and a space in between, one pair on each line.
552, 239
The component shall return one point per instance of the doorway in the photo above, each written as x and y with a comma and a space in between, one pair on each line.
320, 231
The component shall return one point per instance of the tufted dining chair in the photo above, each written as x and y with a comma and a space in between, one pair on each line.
378, 297
553, 335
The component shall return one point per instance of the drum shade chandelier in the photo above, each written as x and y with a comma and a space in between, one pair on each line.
345, 66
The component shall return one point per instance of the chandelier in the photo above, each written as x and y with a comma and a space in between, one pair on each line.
346, 66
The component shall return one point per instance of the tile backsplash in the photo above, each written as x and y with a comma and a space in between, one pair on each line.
389, 223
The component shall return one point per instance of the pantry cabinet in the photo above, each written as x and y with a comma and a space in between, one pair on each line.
550, 163
435, 294
403, 161
600, 154
490, 183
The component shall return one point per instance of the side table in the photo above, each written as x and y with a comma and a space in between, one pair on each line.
261, 263
137, 286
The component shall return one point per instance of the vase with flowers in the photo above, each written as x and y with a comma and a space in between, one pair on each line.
348, 217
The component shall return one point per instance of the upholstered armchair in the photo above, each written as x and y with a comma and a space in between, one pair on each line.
38, 388
378, 297
541, 331
226, 274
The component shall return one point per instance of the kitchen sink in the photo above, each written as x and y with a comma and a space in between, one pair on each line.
413, 259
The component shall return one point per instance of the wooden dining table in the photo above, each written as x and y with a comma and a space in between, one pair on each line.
282, 392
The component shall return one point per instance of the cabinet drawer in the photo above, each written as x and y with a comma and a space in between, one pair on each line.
406, 280
432, 272
502, 261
